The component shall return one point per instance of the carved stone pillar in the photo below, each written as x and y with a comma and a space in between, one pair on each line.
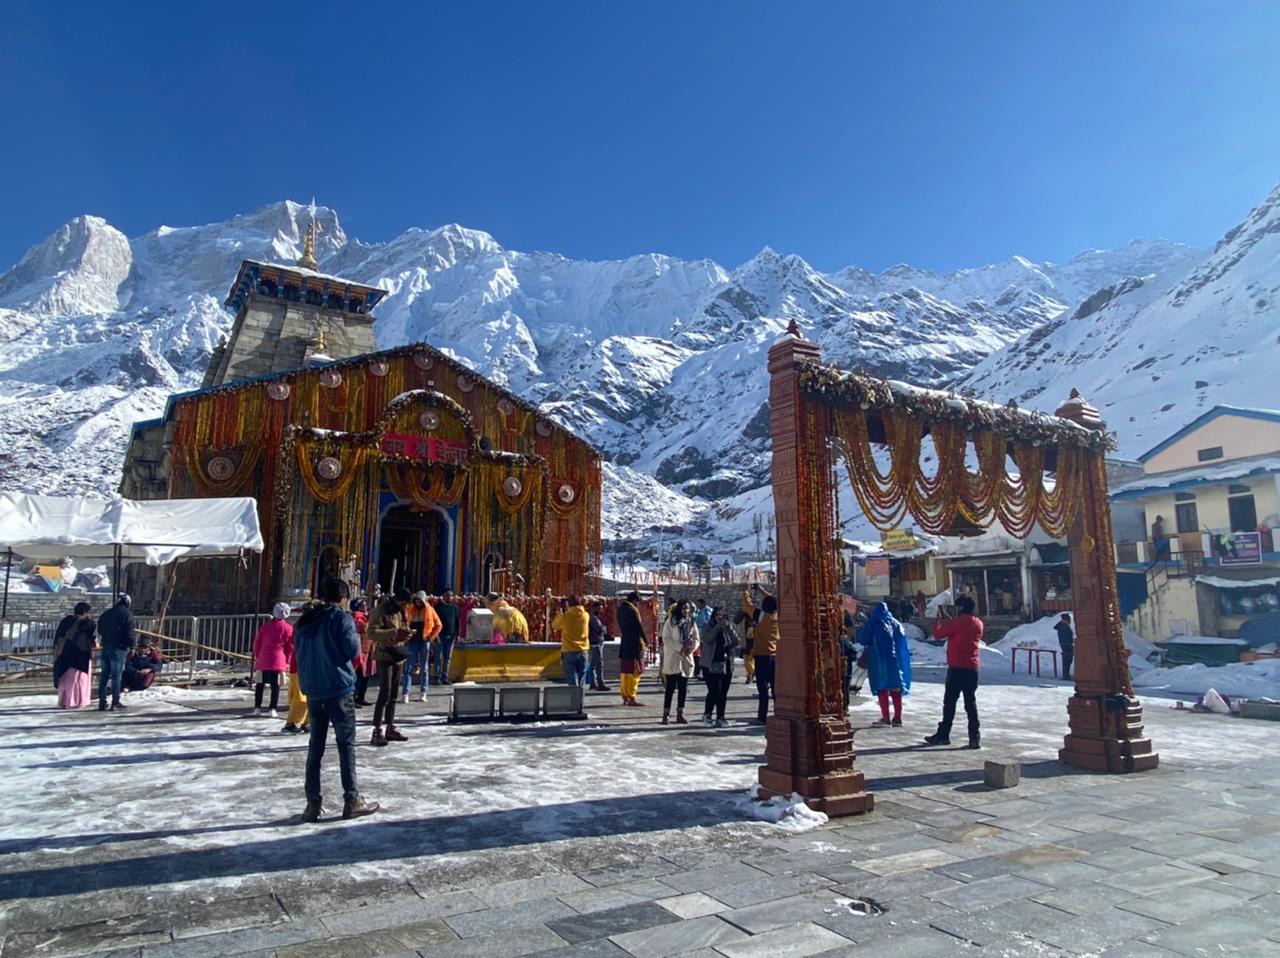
1104, 715
809, 744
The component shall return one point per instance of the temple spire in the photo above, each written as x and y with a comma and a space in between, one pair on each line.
308, 258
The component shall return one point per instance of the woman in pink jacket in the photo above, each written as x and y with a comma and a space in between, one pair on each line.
271, 656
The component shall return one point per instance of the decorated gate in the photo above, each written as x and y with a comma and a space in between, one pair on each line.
992, 464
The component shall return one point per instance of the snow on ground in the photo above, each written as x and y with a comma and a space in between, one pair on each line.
1252, 680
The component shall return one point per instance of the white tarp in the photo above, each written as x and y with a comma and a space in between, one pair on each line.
152, 531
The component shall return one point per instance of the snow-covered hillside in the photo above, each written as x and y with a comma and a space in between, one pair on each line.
1154, 352
659, 361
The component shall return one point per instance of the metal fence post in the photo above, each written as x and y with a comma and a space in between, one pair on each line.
195, 651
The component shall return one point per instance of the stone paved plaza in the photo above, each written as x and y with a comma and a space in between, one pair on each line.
172, 830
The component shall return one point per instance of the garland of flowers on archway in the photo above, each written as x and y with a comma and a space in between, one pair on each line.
1017, 499
445, 484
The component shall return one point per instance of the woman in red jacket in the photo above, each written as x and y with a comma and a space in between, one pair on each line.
964, 640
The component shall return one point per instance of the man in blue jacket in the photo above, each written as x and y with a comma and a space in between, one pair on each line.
326, 642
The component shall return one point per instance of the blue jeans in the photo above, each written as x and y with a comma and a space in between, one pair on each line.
444, 657
341, 713
110, 669
418, 652
575, 667
595, 668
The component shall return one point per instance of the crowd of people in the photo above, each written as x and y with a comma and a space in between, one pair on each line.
338, 644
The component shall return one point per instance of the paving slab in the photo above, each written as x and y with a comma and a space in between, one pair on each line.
271, 937
693, 905
992, 925
1181, 904
742, 894
1216, 934
1083, 899
519, 915
390, 913
512, 943
988, 892
528, 889
678, 938
615, 896
793, 941
611, 922
1089, 934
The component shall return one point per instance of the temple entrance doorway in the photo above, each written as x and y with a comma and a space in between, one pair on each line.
414, 547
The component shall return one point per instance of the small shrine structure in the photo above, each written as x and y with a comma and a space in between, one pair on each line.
401, 466
819, 415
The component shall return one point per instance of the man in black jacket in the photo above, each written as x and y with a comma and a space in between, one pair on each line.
1066, 642
118, 630
631, 652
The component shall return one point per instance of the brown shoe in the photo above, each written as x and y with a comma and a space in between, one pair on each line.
378, 738
393, 735
357, 807
312, 812
680, 719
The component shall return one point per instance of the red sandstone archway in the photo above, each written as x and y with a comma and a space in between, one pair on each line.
816, 409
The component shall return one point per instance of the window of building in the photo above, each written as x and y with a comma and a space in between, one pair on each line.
1184, 513
1213, 452
1241, 509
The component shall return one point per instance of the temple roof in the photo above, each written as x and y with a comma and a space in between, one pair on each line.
251, 271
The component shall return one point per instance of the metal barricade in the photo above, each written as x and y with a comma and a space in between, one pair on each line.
231, 634
26, 645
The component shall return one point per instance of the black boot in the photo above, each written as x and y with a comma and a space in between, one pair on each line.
117, 704
313, 811
937, 738
975, 741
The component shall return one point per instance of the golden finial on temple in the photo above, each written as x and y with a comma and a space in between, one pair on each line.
308, 258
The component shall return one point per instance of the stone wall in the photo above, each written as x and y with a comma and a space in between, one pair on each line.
54, 605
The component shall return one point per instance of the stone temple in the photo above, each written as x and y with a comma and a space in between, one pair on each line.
396, 467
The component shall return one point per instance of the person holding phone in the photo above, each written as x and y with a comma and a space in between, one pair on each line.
964, 642
389, 629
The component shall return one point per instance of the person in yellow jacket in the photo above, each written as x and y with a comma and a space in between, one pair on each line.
750, 613
766, 649
573, 622
507, 619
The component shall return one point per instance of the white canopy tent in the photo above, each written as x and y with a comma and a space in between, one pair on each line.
156, 532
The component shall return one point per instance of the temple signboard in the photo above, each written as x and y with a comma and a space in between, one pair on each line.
427, 448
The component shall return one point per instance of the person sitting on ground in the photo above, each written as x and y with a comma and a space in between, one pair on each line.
507, 619
888, 662
326, 642
73, 657
142, 667
270, 657
631, 648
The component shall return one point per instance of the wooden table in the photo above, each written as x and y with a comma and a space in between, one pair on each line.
1034, 653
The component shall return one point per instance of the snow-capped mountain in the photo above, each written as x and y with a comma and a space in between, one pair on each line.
659, 361
1154, 351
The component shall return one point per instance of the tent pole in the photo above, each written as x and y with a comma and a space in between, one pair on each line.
115, 575
8, 568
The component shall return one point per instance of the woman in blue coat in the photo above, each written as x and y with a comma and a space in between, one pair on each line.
888, 662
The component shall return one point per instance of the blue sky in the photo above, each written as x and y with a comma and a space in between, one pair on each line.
944, 135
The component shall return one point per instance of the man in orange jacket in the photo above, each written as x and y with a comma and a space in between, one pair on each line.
425, 626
